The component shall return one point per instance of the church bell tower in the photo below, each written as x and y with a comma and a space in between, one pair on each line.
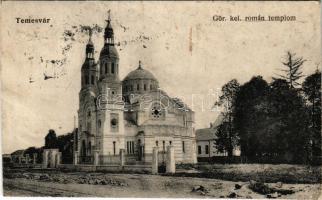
111, 107
109, 63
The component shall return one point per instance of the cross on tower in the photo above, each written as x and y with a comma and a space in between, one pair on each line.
109, 15
90, 33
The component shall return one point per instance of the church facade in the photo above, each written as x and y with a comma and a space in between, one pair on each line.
133, 114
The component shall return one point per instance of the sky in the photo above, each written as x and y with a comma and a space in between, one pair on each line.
191, 55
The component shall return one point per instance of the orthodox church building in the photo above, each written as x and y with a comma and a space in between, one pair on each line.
133, 114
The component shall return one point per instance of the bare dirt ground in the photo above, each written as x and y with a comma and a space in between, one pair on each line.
69, 184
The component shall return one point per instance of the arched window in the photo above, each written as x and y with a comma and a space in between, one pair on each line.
83, 148
144, 87
86, 80
114, 122
137, 87
92, 80
163, 146
106, 68
89, 148
113, 68
114, 147
89, 126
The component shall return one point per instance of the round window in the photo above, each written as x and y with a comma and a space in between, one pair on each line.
156, 112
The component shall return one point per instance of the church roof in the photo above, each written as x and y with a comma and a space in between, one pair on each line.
181, 104
89, 64
140, 73
109, 50
206, 134
209, 133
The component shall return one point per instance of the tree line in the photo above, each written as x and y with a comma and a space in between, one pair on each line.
274, 122
62, 142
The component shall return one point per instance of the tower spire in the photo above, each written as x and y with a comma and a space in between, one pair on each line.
90, 46
109, 33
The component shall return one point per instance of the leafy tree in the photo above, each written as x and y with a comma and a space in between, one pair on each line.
51, 139
312, 90
31, 150
288, 112
250, 114
293, 71
225, 141
226, 135
65, 145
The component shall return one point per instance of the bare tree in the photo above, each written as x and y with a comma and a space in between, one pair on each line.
293, 71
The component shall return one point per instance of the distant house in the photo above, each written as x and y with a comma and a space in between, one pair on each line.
6, 157
206, 147
18, 156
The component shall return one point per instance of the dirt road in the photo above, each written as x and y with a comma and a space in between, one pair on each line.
139, 185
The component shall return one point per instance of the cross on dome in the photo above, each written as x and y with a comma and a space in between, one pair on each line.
140, 64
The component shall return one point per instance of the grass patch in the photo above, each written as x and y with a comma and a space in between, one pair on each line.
267, 173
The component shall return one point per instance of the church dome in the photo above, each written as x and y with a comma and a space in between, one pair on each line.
140, 73
138, 82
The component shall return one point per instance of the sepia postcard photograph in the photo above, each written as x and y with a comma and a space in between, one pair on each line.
161, 99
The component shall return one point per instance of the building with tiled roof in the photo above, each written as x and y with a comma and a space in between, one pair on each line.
206, 147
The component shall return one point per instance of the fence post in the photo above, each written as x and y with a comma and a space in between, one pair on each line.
58, 159
155, 160
34, 158
96, 157
171, 164
45, 158
27, 159
76, 158
122, 157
